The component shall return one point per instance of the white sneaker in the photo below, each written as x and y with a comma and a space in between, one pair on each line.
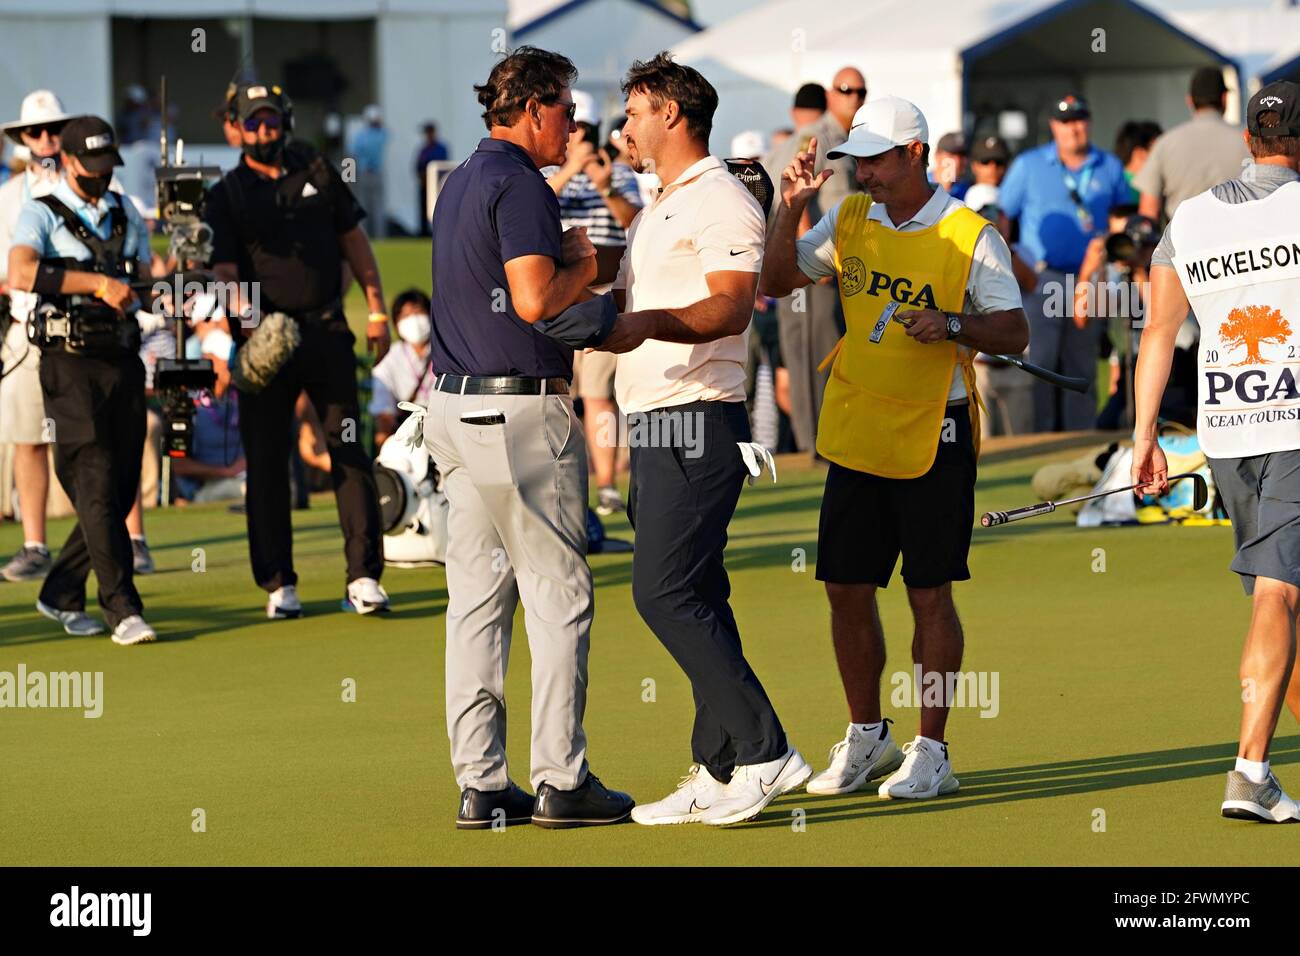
754, 786
696, 793
77, 623
1267, 802
133, 630
365, 596
926, 772
283, 603
858, 759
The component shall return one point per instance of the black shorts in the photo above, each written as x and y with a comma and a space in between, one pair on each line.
866, 520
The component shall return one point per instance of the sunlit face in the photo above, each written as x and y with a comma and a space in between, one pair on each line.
645, 132
43, 141
554, 127
1071, 135
885, 174
847, 92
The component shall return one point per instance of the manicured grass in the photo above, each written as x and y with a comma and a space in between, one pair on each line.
1118, 695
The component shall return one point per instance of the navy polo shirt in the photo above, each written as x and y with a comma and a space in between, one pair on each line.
496, 206
1037, 192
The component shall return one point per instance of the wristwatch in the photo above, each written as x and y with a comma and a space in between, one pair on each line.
954, 324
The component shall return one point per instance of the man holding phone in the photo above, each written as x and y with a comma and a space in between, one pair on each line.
502, 428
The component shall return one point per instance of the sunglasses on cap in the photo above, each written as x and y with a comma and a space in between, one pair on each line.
253, 123
852, 90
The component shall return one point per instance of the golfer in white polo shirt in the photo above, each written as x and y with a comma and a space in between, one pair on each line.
688, 279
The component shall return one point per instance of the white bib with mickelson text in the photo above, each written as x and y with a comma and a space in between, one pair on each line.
1239, 264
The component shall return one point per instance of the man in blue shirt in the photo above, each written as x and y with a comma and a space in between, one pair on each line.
367, 148
1061, 193
501, 426
432, 150
76, 248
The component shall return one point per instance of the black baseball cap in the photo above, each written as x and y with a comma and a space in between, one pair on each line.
954, 143
990, 148
1142, 230
93, 142
1280, 96
1071, 106
811, 96
1207, 84
256, 96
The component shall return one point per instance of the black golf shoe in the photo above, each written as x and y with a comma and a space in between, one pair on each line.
590, 805
479, 808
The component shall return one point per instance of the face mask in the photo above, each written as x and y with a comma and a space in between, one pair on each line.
268, 153
414, 328
92, 186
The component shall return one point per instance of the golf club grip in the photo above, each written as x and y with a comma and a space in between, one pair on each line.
992, 518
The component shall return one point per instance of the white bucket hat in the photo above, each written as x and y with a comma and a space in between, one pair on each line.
39, 107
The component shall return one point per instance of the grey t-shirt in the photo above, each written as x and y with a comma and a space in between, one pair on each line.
1256, 182
1191, 158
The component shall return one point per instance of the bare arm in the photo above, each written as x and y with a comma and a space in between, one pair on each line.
1149, 206
781, 274
24, 261
725, 312
1005, 332
1165, 315
540, 288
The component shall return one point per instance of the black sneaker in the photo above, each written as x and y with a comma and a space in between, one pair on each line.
590, 805
478, 806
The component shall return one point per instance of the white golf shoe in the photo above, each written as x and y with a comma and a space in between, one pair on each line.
365, 596
283, 603
1266, 802
133, 630
754, 786
696, 793
857, 760
926, 772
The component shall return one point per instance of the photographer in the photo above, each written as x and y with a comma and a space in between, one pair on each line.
281, 220
77, 248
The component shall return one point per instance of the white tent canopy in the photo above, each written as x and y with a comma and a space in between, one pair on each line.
962, 66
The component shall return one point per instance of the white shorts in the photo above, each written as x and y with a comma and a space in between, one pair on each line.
22, 404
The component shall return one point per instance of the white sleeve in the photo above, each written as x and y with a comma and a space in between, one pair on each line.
729, 229
815, 249
992, 285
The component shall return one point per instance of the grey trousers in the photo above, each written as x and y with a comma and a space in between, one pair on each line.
516, 530
1057, 344
807, 337
369, 190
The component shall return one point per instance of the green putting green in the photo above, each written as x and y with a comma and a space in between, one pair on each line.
1117, 704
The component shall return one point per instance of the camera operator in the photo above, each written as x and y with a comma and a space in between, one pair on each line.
281, 220
77, 248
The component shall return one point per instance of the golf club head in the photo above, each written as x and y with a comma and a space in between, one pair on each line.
1200, 489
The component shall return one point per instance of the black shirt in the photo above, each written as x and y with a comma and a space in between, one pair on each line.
494, 207
283, 233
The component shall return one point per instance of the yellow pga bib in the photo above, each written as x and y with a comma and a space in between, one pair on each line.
884, 403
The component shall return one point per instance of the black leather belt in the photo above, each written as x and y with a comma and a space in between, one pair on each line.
500, 385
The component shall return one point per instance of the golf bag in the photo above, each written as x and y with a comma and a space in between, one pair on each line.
412, 506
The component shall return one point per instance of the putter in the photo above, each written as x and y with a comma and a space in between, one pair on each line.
1200, 496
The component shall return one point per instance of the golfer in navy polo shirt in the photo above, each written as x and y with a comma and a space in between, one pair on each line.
502, 428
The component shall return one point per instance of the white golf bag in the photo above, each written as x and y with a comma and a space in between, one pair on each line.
412, 507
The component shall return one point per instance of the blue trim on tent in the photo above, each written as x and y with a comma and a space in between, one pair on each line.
1290, 68
989, 44
566, 8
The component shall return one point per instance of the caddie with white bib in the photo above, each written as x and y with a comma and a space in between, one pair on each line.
925, 282
1232, 254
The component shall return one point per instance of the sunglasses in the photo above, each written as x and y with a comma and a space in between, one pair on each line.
570, 109
253, 123
36, 132
852, 90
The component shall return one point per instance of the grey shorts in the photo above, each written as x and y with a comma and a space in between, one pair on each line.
1262, 495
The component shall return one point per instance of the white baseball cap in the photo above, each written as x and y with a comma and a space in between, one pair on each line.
39, 107
372, 113
881, 125
750, 144
584, 108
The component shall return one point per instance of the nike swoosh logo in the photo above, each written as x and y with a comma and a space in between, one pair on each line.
767, 787
668, 216
741, 252
696, 808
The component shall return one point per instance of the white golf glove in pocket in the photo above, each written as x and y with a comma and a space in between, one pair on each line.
756, 457
411, 432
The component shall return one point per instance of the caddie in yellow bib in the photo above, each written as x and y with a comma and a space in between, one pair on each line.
925, 283
887, 394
